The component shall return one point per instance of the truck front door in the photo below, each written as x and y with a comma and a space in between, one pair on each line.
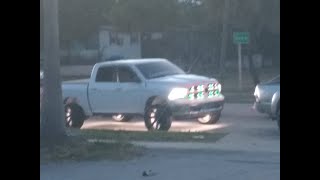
130, 92
102, 90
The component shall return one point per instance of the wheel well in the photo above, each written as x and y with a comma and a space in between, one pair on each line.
278, 106
70, 100
155, 100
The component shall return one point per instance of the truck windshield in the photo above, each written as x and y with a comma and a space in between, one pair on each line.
158, 69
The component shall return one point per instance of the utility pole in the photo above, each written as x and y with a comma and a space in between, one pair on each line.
52, 127
240, 66
224, 40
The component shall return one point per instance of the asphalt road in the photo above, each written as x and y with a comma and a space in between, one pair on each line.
251, 150
173, 164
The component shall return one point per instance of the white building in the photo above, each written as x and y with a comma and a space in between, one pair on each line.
114, 43
106, 43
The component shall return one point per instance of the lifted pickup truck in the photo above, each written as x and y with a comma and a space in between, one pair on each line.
154, 88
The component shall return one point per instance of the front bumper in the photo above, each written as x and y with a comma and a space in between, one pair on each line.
196, 109
262, 107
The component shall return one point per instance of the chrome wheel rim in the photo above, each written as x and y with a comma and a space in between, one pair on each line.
68, 117
205, 119
118, 117
153, 119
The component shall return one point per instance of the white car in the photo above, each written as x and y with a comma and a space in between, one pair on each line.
267, 98
154, 88
264, 93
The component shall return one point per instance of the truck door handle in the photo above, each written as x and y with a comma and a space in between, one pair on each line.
94, 89
118, 89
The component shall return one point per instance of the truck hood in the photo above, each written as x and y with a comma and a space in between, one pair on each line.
183, 79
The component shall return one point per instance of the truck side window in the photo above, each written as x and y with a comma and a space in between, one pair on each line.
126, 74
106, 74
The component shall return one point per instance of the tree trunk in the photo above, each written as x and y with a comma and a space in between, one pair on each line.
52, 129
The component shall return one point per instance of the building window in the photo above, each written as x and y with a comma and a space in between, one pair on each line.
134, 38
115, 38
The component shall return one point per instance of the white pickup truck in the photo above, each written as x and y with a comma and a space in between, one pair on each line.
154, 88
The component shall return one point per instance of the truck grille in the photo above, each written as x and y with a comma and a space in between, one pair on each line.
204, 91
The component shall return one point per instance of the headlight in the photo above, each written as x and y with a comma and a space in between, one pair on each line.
256, 92
178, 93
219, 87
41, 75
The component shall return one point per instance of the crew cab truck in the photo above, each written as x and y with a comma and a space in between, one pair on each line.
154, 88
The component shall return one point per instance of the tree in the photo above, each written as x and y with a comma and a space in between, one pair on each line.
217, 18
247, 15
52, 117
143, 15
81, 18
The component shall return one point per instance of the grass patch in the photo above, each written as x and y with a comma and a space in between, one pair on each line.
119, 147
79, 149
155, 136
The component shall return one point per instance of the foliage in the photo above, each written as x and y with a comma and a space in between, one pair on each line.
77, 149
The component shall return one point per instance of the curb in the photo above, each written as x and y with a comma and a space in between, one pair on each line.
194, 146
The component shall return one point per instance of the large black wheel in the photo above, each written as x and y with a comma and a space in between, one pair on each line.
157, 117
210, 118
74, 116
122, 117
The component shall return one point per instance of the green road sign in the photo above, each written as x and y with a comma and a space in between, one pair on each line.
241, 37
